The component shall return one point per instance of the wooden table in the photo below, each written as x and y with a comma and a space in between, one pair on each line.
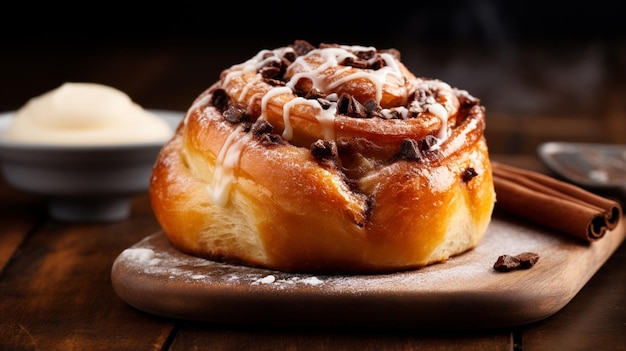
56, 294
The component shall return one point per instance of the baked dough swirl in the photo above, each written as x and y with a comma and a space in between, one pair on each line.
331, 159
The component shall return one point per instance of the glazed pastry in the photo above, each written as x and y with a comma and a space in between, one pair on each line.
332, 159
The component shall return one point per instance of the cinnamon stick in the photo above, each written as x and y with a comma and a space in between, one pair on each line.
553, 203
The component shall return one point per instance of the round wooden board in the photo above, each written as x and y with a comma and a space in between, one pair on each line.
464, 292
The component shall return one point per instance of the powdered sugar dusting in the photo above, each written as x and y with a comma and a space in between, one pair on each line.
268, 279
155, 257
271, 279
141, 255
167, 263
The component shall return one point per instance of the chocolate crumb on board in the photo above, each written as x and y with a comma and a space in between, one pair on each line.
527, 259
507, 263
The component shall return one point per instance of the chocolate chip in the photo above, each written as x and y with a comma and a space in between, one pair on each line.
378, 63
275, 82
342, 104
349, 106
355, 62
261, 127
247, 126
315, 94
409, 149
288, 58
368, 59
262, 131
235, 113
271, 139
365, 54
303, 86
468, 174
390, 113
324, 103
426, 95
527, 259
270, 72
506, 263
220, 99
428, 142
302, 47
324, 149
372, 108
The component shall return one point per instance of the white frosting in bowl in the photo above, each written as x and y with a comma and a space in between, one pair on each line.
86, 114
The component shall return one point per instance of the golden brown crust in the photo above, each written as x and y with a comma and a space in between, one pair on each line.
363, 201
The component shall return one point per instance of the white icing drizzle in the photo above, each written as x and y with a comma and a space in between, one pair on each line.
456, 143
288, 132
229, 156
440, 112
442, 106
244, 92
269, 95
332, 57
389, 113
225, 164
327, 120
325, 117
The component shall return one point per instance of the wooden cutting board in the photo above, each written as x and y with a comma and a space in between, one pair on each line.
464, 292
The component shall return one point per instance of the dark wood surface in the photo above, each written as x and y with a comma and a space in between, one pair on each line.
55, 277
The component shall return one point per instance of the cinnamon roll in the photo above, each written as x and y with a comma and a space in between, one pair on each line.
330, 158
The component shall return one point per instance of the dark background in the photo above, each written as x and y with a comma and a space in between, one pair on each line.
267, 23
540, 67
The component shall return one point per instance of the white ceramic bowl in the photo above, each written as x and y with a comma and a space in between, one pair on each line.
81, 183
